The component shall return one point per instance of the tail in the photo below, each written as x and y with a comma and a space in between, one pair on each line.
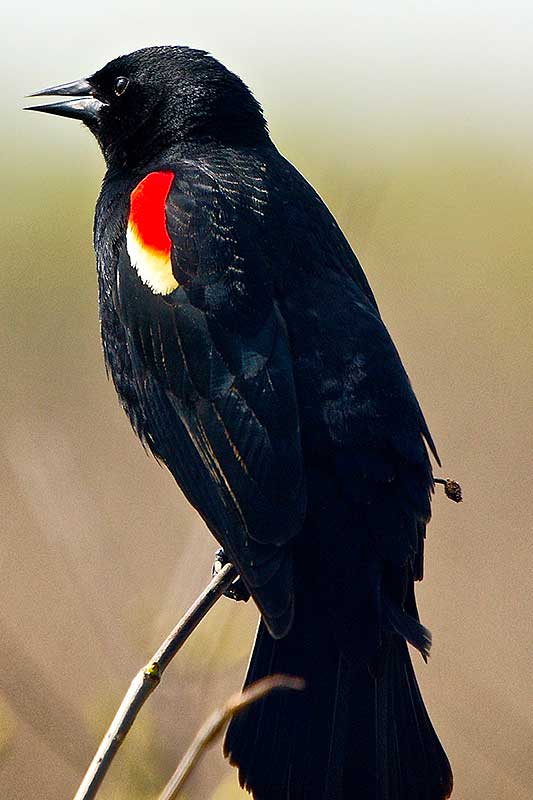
349, 736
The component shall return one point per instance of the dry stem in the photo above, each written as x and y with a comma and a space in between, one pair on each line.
148, 679
215, 723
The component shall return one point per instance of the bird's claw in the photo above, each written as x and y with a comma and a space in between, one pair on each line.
237, 590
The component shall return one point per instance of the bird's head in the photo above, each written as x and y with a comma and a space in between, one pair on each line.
140, 105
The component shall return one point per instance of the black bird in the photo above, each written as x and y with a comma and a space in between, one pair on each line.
249, 354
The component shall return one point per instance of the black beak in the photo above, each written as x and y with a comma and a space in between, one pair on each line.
85, 106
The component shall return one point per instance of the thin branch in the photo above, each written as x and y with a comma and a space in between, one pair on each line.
148, 679
213, 726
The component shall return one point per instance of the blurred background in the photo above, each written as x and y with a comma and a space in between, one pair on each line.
414, 121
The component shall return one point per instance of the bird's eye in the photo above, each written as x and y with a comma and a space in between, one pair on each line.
121, 84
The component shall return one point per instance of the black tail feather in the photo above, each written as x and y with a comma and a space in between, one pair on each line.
419, 769
398, 621
348, 736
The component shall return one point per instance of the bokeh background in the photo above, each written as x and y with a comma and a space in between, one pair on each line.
414, 120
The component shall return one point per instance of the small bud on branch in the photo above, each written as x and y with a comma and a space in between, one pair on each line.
452, 489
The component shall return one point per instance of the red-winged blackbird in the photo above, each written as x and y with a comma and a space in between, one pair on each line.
249, 354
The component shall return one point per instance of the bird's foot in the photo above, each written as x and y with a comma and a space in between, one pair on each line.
237, 590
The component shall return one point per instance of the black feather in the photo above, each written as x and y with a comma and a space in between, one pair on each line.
350, 734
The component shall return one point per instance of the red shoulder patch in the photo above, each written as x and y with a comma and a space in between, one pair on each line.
147, 211
147, 239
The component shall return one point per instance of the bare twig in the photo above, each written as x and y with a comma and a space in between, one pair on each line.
148, 679
215, 723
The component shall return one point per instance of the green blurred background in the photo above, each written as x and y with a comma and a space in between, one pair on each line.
414, 121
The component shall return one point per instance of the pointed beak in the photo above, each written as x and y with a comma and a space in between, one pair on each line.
84, 105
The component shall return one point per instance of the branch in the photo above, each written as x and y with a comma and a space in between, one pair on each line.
215, 723
148, 679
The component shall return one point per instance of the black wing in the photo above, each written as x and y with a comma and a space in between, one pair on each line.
362, 427
213, 384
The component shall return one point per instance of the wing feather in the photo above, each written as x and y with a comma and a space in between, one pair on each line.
214, 378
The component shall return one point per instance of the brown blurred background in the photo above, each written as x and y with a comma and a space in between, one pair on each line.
415, 125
